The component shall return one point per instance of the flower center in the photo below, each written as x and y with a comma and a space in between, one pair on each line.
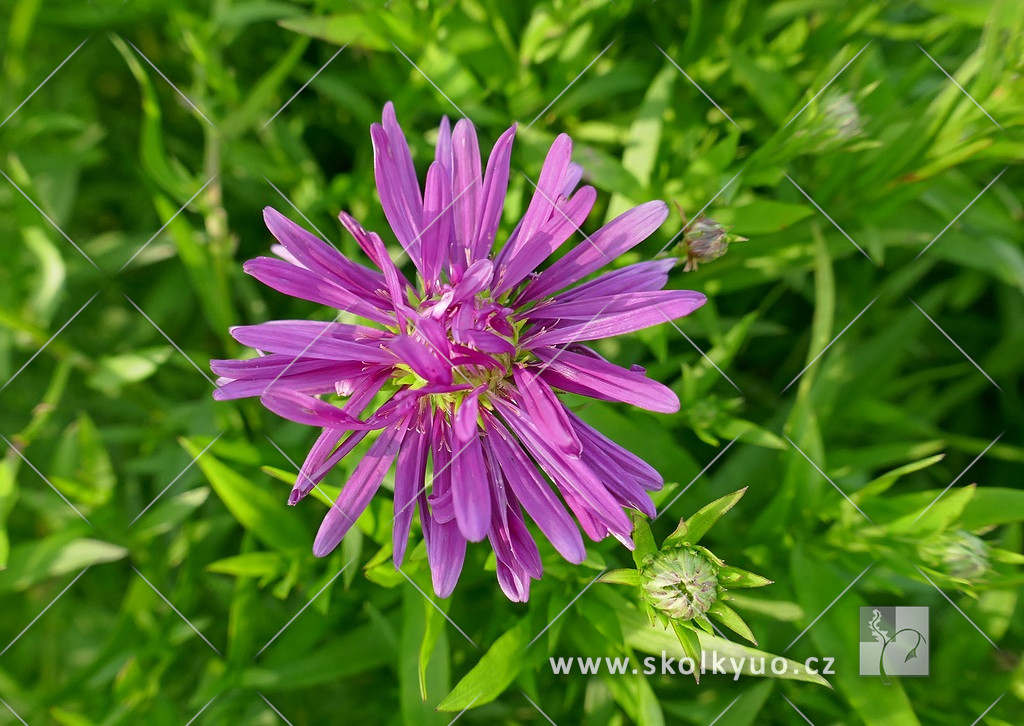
470, 333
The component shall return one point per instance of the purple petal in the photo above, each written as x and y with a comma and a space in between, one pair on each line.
470, 483
514, 582
410, 475
644, 473
358, 491
403, 209
640, 277
597, 378
488, 342
307, 285
610, 316
325, 444
441, 476
309, 340
518, 542
399, 150
495, 188
477, 278
423, 359
313, 382
466, 191
573, 176
253, 377
552, 177
536, 496
623, 486
516, 553
567, 218
573, 477
304, 409
621, 234
394, 280
438, 231
443, 151
546, 412
446, 552
320, 461
466, 426
316, 255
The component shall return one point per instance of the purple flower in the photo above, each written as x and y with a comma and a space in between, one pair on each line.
470, 358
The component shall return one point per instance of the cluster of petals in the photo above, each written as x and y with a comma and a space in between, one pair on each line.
458, 372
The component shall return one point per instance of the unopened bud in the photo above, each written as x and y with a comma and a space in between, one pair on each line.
680, 583
706, 240
965, 555
842, 116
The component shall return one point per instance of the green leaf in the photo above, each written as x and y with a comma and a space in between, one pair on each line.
699, 524
494, 672
167, 515
991, 506
251, 564
417, 642
764, 216
256, 509
644, 137
119, 370
734, 577
776, 609
621, 577
643, 539
885, 481
936, 517
816, 584
690, 643
287, 670
433, 649
53, 556
370, 31
731, 619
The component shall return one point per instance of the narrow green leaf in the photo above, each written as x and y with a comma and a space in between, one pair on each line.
251, 564
699, 524
731, 619
256, 509
495, 672
690, 643
734, 577
58, 554
885, 481
621, 577
643, 539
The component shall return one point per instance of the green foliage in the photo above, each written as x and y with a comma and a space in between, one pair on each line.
128, 205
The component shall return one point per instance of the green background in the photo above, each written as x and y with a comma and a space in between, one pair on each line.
171, 105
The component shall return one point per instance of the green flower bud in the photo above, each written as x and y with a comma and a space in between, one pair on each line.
965, 555
959, 554
842, 117
680, 583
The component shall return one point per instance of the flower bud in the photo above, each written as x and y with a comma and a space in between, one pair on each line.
965, 556
842, 117
959, 554
706, 239
680, 583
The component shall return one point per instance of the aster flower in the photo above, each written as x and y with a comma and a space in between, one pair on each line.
471, 357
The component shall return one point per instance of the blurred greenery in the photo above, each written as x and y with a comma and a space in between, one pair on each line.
112, 301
